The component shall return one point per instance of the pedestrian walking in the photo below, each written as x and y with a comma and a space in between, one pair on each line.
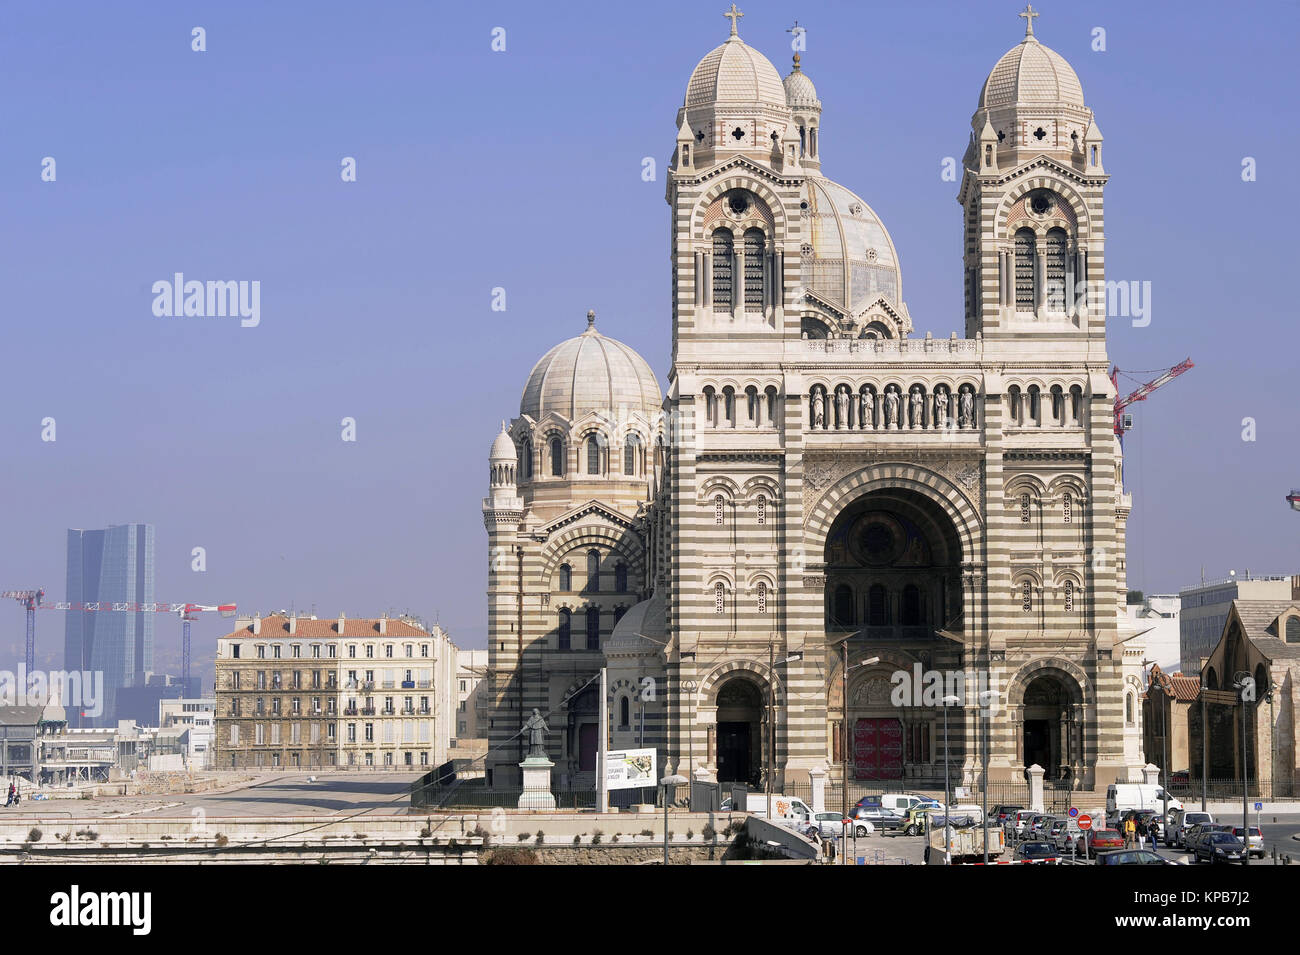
1130, 832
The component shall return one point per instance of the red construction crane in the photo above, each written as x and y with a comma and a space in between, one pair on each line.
1124, 422
32, 600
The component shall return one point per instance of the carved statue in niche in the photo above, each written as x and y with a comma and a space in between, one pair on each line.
967, 413
941, 408
867, 410
891, 408
818, 410
842, 407
918, 407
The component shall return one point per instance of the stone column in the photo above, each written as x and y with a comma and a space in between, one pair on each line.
706, 278
1036, 788
738, 283
699, 279
1151, 774
817, 776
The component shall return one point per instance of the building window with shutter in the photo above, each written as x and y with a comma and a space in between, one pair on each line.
722, 268
1024, 508
754, 270
762, 510
719, 598
1069, 596
1054, 263
1067, 507
1026, 253
762, 597
718, 505
1027, 596
565, 629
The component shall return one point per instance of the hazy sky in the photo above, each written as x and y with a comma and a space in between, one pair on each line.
522, 169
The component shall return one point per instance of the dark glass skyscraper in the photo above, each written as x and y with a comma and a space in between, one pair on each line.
115, 564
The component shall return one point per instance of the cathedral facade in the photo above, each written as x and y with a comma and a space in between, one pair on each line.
820, 485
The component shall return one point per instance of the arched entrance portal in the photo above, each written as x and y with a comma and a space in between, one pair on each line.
1048, 739
893, 568
739, 740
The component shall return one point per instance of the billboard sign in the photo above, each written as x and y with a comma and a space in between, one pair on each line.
630, 769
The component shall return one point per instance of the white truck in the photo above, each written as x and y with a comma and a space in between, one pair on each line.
789, 811
961, 843
1120, 797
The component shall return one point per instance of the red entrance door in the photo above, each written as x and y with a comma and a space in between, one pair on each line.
878, 749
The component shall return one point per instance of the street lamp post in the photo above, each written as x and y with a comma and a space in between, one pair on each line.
844, 741
771, 716
986, 700
947, 786
1242, 682
664, 783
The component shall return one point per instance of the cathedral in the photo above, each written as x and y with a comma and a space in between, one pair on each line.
826, 507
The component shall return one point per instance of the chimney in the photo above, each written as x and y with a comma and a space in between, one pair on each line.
342, 618
293, 624
383, 625
257, 624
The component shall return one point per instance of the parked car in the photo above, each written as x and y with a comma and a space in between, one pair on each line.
1220, 847
831, 824
1038, 829
1180, 822
1092, 840
1001, 813
914, 821
879, 818
1053, 831
902, 802
1132, 857
1253, 837
1020, 820
1065, 837
1035, 851
1198, 833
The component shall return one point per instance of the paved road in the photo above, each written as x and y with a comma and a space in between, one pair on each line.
279, 795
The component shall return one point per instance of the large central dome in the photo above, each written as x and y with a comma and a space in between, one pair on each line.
591, 373
849, 258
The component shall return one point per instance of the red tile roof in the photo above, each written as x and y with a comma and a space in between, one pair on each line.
276, 626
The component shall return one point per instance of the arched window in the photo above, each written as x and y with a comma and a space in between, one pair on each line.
728, 408
719, 598
593, 628
1128, 708
1026, 252
1293, 629
593, 571
722, 258
1027, 595
718, 510
525, 460
753, 413
632, 455
557, 456
912, 612
593, 454
1069, 596
565, 630
842, 610
762, 597
877, 606
754, 270
1035, 410
620, 577
624, 712
762, 509
566, 578
618, 613
1067, 507
1054, 261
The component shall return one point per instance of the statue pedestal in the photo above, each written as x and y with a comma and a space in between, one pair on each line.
537, 783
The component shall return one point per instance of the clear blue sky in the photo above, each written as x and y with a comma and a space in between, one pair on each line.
523, 170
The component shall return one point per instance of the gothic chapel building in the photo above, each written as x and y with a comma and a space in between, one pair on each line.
820, 479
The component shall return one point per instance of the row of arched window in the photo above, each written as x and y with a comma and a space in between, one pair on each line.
761, 510
593, 460
591, 622
1057, 407
1028, 502
593, 576
1026, 590
877, 609
721, 595
748, 408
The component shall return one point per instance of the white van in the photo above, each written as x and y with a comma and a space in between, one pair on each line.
1120, 797
789, 811
902, 802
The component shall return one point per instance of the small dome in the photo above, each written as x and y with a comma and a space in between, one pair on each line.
735, 73
1030, 73
800, 93
641, 630
846, 245
591, 373
503, 448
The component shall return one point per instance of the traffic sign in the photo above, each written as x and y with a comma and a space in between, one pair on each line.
1074, 811
1085, 822
1259, 806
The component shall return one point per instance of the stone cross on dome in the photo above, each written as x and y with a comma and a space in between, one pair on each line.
733, 15
1028, 13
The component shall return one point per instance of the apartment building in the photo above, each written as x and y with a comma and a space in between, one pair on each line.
299, 692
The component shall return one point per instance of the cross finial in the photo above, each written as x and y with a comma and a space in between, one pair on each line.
733, 15
1028, 13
